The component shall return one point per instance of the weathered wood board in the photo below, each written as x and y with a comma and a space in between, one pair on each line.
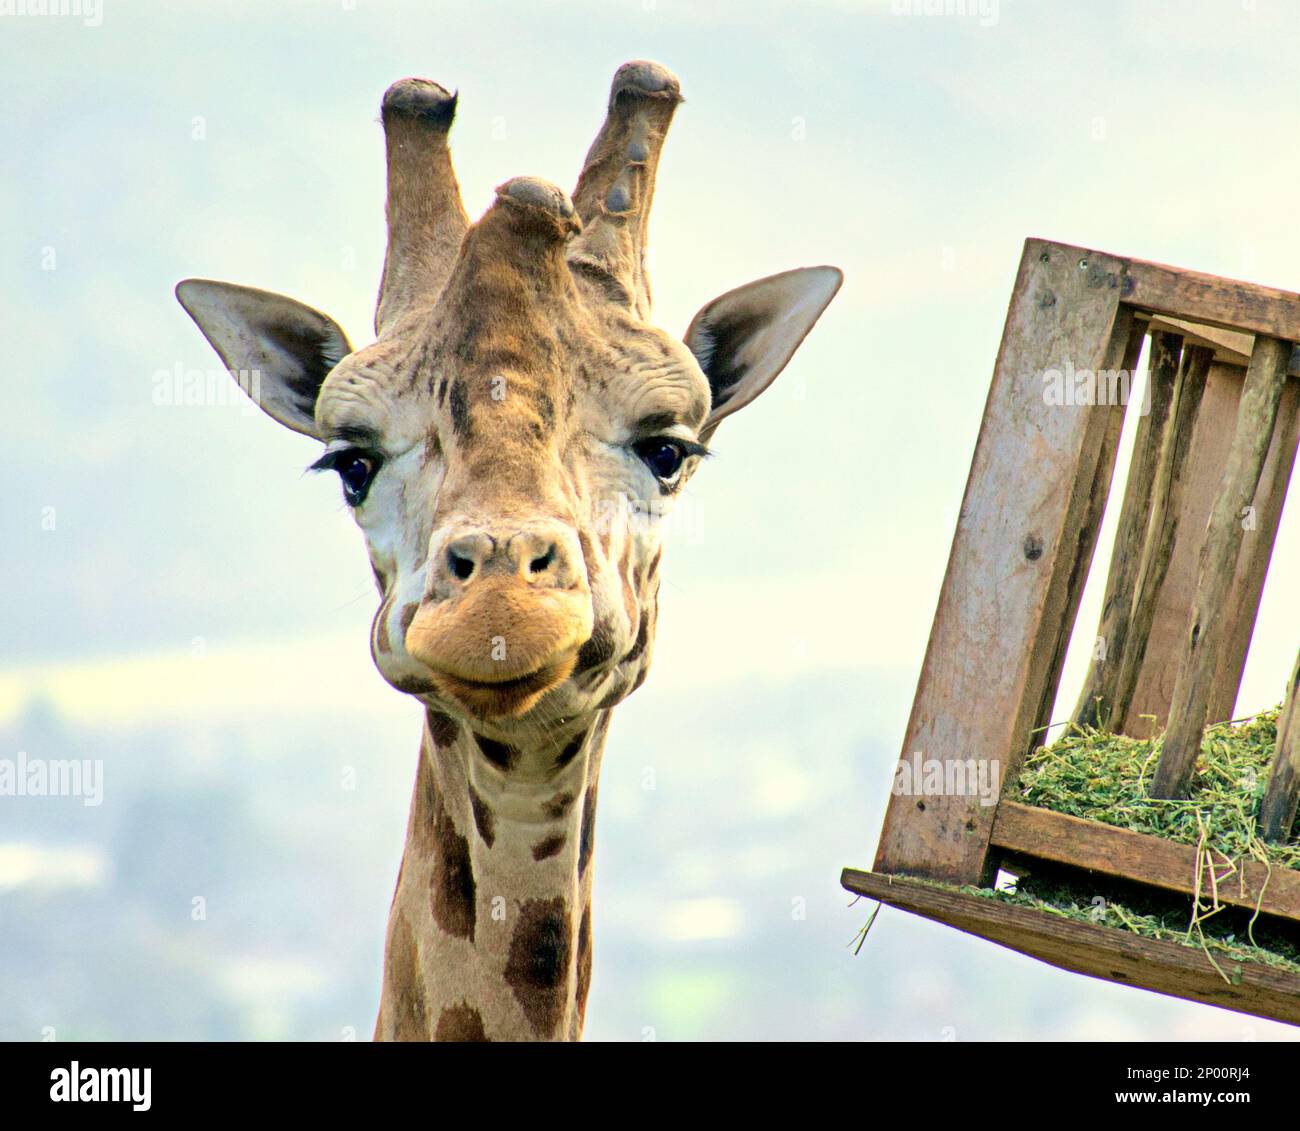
1015, 570
1030, 831
1092, 949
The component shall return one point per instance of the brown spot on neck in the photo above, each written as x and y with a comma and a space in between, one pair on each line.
408, 1019
452, 891
538, 966
587, 839
584, 963
498, 753
484, 819
443, 729
460, 1023
424, 804
558, 805
545, 849
571, 749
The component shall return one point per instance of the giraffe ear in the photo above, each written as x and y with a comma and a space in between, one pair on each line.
279, 350
743, 339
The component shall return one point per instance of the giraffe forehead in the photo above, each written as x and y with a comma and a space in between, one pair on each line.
667, 388
652, 373
482, 389
364, 392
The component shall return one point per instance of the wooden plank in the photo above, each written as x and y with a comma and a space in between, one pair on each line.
1211, 439
1229, 346
1278, 808
1017, 563
1159, 537
1092, 949
1098, 699
1211, 442
1260, 537
1028, 830
1198, 297
1199, 663
1113, 390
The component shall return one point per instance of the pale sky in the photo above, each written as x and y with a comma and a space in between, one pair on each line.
914, 151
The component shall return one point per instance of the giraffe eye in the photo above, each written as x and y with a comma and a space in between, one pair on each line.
356, 469
663, 457
356, 472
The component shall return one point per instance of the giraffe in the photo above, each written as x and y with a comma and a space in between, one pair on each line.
510, 445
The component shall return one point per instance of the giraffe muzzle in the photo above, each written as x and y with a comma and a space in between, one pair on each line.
502, 644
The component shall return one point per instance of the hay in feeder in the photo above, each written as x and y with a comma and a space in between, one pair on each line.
1104, 777
1225, 935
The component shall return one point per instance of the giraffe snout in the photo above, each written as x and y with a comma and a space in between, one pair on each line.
505, 616
544, 558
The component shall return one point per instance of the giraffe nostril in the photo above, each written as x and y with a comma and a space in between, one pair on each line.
543, 562
460, 566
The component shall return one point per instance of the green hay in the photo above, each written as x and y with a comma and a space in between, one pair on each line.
1104, 777
1225, 936
1225, 941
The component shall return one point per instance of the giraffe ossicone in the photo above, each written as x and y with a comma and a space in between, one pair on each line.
510, 445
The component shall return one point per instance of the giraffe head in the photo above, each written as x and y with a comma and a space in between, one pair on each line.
514, 439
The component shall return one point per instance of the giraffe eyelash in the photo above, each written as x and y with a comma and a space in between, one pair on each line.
689, 447
330, 461
356, 468
693, 448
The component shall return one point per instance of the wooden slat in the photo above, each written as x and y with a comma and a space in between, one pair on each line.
1230, 346
1199, 662
1243, 603
1121, 357
1097, 951
1278, 808
1098, 699
1018, 560
1211, 442
1197, 297
1031, 831
1159, 537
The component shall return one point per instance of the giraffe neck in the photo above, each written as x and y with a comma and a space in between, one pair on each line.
489, 934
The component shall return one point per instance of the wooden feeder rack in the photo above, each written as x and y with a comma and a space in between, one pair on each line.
1182, 595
